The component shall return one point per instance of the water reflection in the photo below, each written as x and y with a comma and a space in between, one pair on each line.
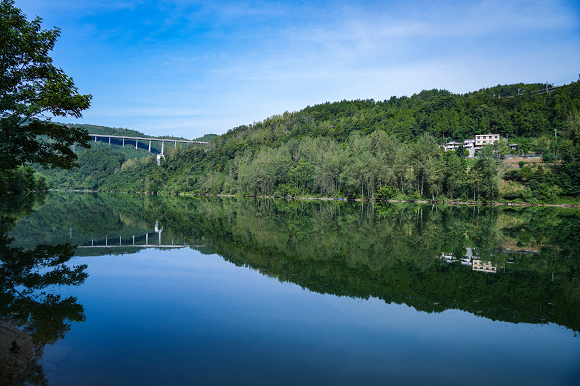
29, 299
391, 252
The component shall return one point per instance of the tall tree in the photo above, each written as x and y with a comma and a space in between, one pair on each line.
455, 174
32, 90
484, 174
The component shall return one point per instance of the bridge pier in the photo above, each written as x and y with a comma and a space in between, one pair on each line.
162, 146
109, 141
149, 146
123, 142
136, 144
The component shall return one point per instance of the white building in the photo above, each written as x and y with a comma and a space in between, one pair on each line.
475, 144
483, 266
452, 145
469, 143
486, 139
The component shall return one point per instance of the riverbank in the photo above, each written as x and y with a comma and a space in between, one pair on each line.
442, 202
16, 350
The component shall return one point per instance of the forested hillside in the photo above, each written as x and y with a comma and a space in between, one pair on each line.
385, 149
103, 160
437, 112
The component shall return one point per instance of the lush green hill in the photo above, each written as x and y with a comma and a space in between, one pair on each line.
207, 138
370, 149
437, 112
96, 165
103, 160
105, 130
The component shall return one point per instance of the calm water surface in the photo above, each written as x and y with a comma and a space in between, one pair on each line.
255, 292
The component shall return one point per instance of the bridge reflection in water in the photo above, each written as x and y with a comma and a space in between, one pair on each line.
112, 243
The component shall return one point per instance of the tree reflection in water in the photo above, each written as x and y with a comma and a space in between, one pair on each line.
25, 278
360, 250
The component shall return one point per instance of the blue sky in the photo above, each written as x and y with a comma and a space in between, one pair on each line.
187, 68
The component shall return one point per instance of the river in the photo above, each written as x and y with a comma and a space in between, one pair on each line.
121, 289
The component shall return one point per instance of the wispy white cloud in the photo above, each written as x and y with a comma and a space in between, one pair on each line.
177, 65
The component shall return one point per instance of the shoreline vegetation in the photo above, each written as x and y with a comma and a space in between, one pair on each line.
436, 202
359, 150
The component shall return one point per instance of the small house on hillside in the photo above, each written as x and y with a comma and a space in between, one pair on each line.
486, 139
483, 266
468, 143
452, 145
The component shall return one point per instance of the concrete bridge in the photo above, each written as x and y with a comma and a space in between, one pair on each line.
136, 140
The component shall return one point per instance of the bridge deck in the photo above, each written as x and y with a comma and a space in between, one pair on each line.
146, 139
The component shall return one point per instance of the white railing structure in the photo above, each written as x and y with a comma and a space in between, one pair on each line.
137, 139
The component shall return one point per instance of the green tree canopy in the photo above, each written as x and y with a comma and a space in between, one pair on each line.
32, 90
